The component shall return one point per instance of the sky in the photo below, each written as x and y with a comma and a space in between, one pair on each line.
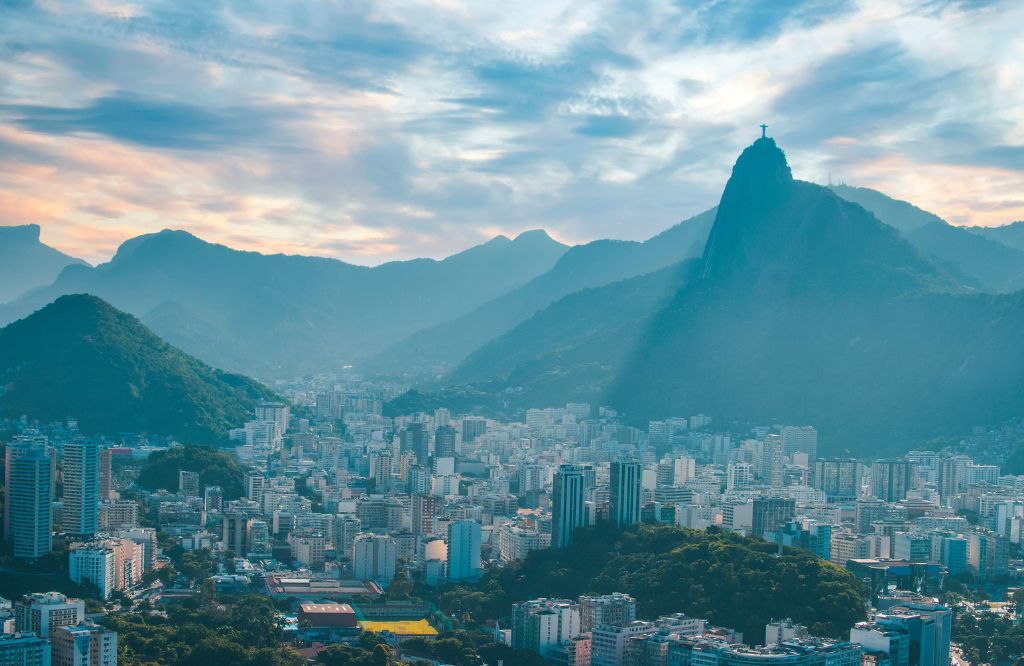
373, 131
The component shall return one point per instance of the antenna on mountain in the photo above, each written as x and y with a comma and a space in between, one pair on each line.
830, 179
764, 128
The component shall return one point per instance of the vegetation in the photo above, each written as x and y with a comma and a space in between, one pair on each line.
989, 639
242, 634
215, 468
81, 357
461, 648
730, 580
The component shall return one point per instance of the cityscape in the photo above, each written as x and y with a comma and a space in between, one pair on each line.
460, 333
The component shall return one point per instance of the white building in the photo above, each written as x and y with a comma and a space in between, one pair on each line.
41, 612
374, 557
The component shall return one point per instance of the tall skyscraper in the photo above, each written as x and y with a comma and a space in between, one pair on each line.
625, 493
464, 550
415, 440
800, 439
840, 479
567, 505
213, 499
29, 499
772, 461
188, 483
473, 427
771, 513
20, 445
81, 487
106, 483
891, 479
444, 442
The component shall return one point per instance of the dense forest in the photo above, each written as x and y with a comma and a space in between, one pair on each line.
730, 580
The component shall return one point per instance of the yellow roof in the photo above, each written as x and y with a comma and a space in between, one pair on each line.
400, 627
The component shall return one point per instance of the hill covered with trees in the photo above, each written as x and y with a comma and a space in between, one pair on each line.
80, 357
730, 580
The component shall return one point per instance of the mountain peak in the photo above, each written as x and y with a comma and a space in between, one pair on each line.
22, 232
762, 164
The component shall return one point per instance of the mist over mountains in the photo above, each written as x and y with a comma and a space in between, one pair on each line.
26, 263
804, 308
279, 315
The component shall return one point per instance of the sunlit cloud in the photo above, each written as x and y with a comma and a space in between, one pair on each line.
372, 131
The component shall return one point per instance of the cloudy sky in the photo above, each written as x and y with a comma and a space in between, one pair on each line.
379, 130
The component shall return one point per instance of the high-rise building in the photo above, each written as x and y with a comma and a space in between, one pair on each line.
415, 440
95, 564
374, 557
541, 624
106, 475
19, 445
891, 479
86, 644
346, 529
81, 487
24, 650
473, 427
615, 608
188, 483
276, 412
771, 513
213, 499
308, 549
254, 484
424, 513
42, 612
625, 489
567, 505
773, 466
29, 498
444, 441
464, 550
839, 479
235, 536
948, 479
800, 439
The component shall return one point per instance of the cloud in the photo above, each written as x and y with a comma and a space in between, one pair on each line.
150, 122
381, 130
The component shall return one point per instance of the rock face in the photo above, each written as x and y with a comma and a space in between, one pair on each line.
26, 263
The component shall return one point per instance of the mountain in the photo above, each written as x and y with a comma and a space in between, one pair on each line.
81, 357
894, 212
435, 350
993, 265
987, 262
279, 315
804, 308
26, 263
1008, 234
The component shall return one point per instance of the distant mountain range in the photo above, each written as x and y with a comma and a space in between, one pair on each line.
80, 357
434, 350
423, 321
25, 263
278, 315
804, 308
